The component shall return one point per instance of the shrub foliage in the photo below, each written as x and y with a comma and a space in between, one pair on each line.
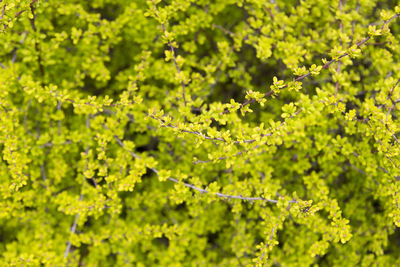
199, 133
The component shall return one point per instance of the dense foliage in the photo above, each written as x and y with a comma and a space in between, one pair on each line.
199, 133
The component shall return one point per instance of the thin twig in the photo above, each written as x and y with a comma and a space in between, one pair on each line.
325, 66
387, 150
223, 29
387, 128
272, 233
50, 144
341, 44
73, 230
37, 47
203, 191
353, 23
14, 56
392, 90
59, 103
248, 141
172, 48
87, 153
43, 172
2, 11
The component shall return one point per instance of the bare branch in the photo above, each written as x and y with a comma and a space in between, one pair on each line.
300, 78
341, 44
2, 11
73, 230
272, 233
14, 56
249, 141
172, 48
203, 191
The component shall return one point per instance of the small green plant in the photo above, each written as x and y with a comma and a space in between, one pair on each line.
199, 133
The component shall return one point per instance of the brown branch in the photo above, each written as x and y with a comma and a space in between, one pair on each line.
22, 11
392, 90
19, 13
